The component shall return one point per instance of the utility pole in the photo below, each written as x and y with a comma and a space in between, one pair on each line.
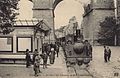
116, 17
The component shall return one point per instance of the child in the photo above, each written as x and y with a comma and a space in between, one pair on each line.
37, 65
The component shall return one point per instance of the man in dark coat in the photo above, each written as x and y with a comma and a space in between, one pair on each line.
45, 58
88, 51
107, 54
57, 49
34, 55
48, 49
28, 58
44, 47
87, 48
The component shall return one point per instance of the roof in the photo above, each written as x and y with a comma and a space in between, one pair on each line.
41, 24
26, 22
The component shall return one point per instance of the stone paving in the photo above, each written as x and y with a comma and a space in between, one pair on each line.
57, 70
98, 68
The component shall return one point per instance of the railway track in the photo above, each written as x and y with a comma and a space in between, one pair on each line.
76, 71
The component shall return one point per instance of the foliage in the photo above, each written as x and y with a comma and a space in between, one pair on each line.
7, 15
107, 31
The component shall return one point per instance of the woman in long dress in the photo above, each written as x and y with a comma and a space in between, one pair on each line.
52, 56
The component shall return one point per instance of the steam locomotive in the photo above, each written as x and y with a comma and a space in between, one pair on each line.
76, 50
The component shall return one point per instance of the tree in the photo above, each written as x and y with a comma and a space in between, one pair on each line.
108, 31
7, 15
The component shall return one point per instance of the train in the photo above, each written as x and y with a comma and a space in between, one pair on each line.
76, 49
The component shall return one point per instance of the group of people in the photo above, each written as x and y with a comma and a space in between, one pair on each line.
48, 51
35, 60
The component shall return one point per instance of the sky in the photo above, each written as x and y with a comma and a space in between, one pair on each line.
63, 12
67, 9
25, 9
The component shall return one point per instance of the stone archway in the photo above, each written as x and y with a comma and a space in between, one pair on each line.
56, 2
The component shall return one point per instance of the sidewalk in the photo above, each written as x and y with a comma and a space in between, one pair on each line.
57, 70
99, 68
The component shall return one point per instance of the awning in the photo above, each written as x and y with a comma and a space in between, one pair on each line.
37, 24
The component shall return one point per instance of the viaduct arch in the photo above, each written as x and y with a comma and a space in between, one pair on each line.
44, 9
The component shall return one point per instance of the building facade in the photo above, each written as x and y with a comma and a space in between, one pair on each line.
30, 34
94, 13
67, 32
71, 27
24, 37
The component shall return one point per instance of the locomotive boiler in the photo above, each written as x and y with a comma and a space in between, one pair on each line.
77, 51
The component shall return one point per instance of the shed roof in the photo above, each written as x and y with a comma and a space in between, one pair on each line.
41, 24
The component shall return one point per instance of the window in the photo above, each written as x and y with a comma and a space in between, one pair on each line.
6, 44
24, 43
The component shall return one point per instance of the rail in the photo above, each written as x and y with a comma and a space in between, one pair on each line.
78, 72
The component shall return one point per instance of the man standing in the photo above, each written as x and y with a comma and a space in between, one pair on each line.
87, 48
28, 58
45, 58
105, 54
109, 53
88, 52
57, 48
34, 55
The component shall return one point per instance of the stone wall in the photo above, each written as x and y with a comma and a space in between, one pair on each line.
91, 20
108, 4
43, 9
